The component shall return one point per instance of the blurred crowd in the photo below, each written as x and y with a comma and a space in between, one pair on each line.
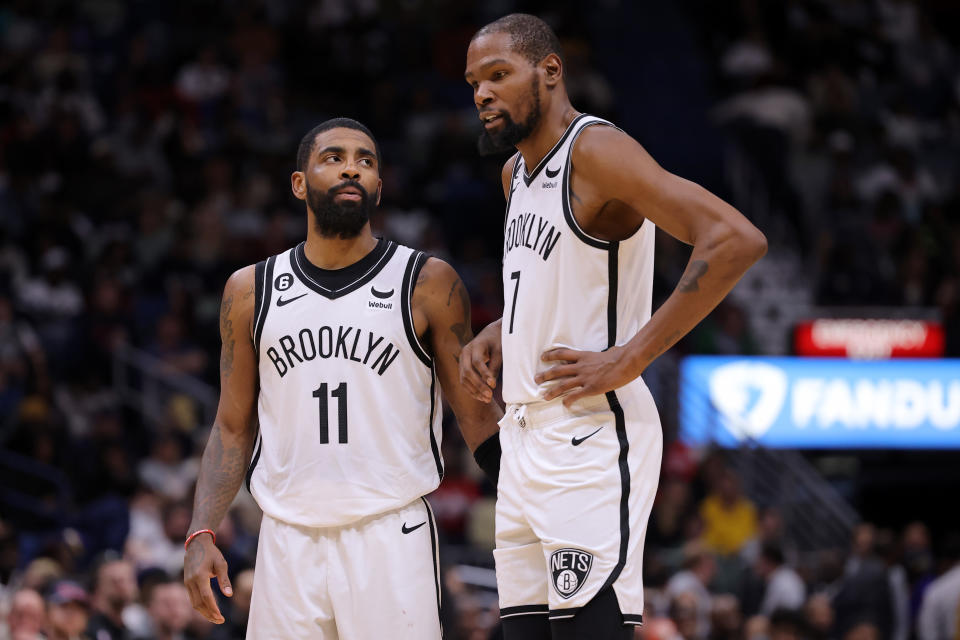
146, 154
849, 113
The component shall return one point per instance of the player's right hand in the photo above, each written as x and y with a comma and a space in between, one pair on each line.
204, 561
480, 362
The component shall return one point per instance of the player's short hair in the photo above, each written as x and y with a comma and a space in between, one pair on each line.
306, 144
531, 37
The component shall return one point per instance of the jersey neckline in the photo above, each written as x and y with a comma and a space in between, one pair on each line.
334, 283
529, 178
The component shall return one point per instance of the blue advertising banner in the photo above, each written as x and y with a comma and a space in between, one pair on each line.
820, 403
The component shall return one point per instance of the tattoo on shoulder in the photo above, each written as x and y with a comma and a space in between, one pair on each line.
691, 279
461, 291
462, 330
573, 194
226, 332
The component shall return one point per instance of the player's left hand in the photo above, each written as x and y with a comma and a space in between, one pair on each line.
584, 373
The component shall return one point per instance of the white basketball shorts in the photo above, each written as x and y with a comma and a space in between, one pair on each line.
575, 493
375, 578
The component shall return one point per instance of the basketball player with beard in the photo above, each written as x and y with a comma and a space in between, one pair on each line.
332, 354
581, 437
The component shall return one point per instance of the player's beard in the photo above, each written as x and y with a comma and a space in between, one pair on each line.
345, 218
511, 133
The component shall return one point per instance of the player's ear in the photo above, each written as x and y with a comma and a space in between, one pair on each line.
379, 189
298, 185
552, 68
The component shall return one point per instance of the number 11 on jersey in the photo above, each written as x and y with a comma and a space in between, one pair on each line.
340, 393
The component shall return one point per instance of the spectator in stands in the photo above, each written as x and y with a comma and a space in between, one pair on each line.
658, 628
68, 612
684, 614
167, 470
771, 530
23, 366
863, 631
787, 624
918, 561
169, 608
726, 620
239, 608
757, 628
888, 550
670, 512
864, 594
694, 580
784, 588
820, 618
114, 591
939, 617
53, 300
730, 518
27, 617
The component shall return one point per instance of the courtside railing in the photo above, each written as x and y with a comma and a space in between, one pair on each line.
146, 384
816, 515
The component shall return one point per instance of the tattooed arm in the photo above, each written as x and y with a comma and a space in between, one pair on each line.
228, 450
615, 186
441, 316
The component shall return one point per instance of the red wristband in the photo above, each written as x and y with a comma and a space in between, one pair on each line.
196, 533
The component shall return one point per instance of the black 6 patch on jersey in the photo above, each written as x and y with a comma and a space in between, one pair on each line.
570, 568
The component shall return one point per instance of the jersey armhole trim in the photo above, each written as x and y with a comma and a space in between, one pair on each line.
262, 290
414, 265
567, 208
513, 180
258, 447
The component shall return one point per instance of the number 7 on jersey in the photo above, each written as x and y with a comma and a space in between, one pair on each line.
516, 288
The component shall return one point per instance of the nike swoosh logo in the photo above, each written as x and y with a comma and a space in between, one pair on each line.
281, 301
407, 529
381, 294
552, 174
576, 441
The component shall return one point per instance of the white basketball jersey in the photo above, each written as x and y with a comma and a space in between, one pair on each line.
349, 406
562, 287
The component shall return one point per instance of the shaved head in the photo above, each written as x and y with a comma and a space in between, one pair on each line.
530, 36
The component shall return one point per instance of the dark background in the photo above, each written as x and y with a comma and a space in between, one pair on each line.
145, 154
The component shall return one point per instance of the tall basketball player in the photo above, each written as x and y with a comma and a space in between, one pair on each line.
335, 348
581, 437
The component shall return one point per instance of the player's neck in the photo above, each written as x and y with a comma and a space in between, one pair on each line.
334, 252
538, 144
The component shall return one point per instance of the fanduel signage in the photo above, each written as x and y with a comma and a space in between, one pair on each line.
821, 403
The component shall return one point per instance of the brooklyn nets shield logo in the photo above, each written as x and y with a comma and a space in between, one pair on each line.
570, 568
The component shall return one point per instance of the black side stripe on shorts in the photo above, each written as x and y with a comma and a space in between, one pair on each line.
524, 610
436, 557
256, 458
629, 618
612, 271
262, 289
414, 264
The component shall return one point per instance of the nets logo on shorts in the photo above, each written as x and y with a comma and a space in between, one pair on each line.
570, 568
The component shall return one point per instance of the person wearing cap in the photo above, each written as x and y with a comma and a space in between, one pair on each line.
68, 611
